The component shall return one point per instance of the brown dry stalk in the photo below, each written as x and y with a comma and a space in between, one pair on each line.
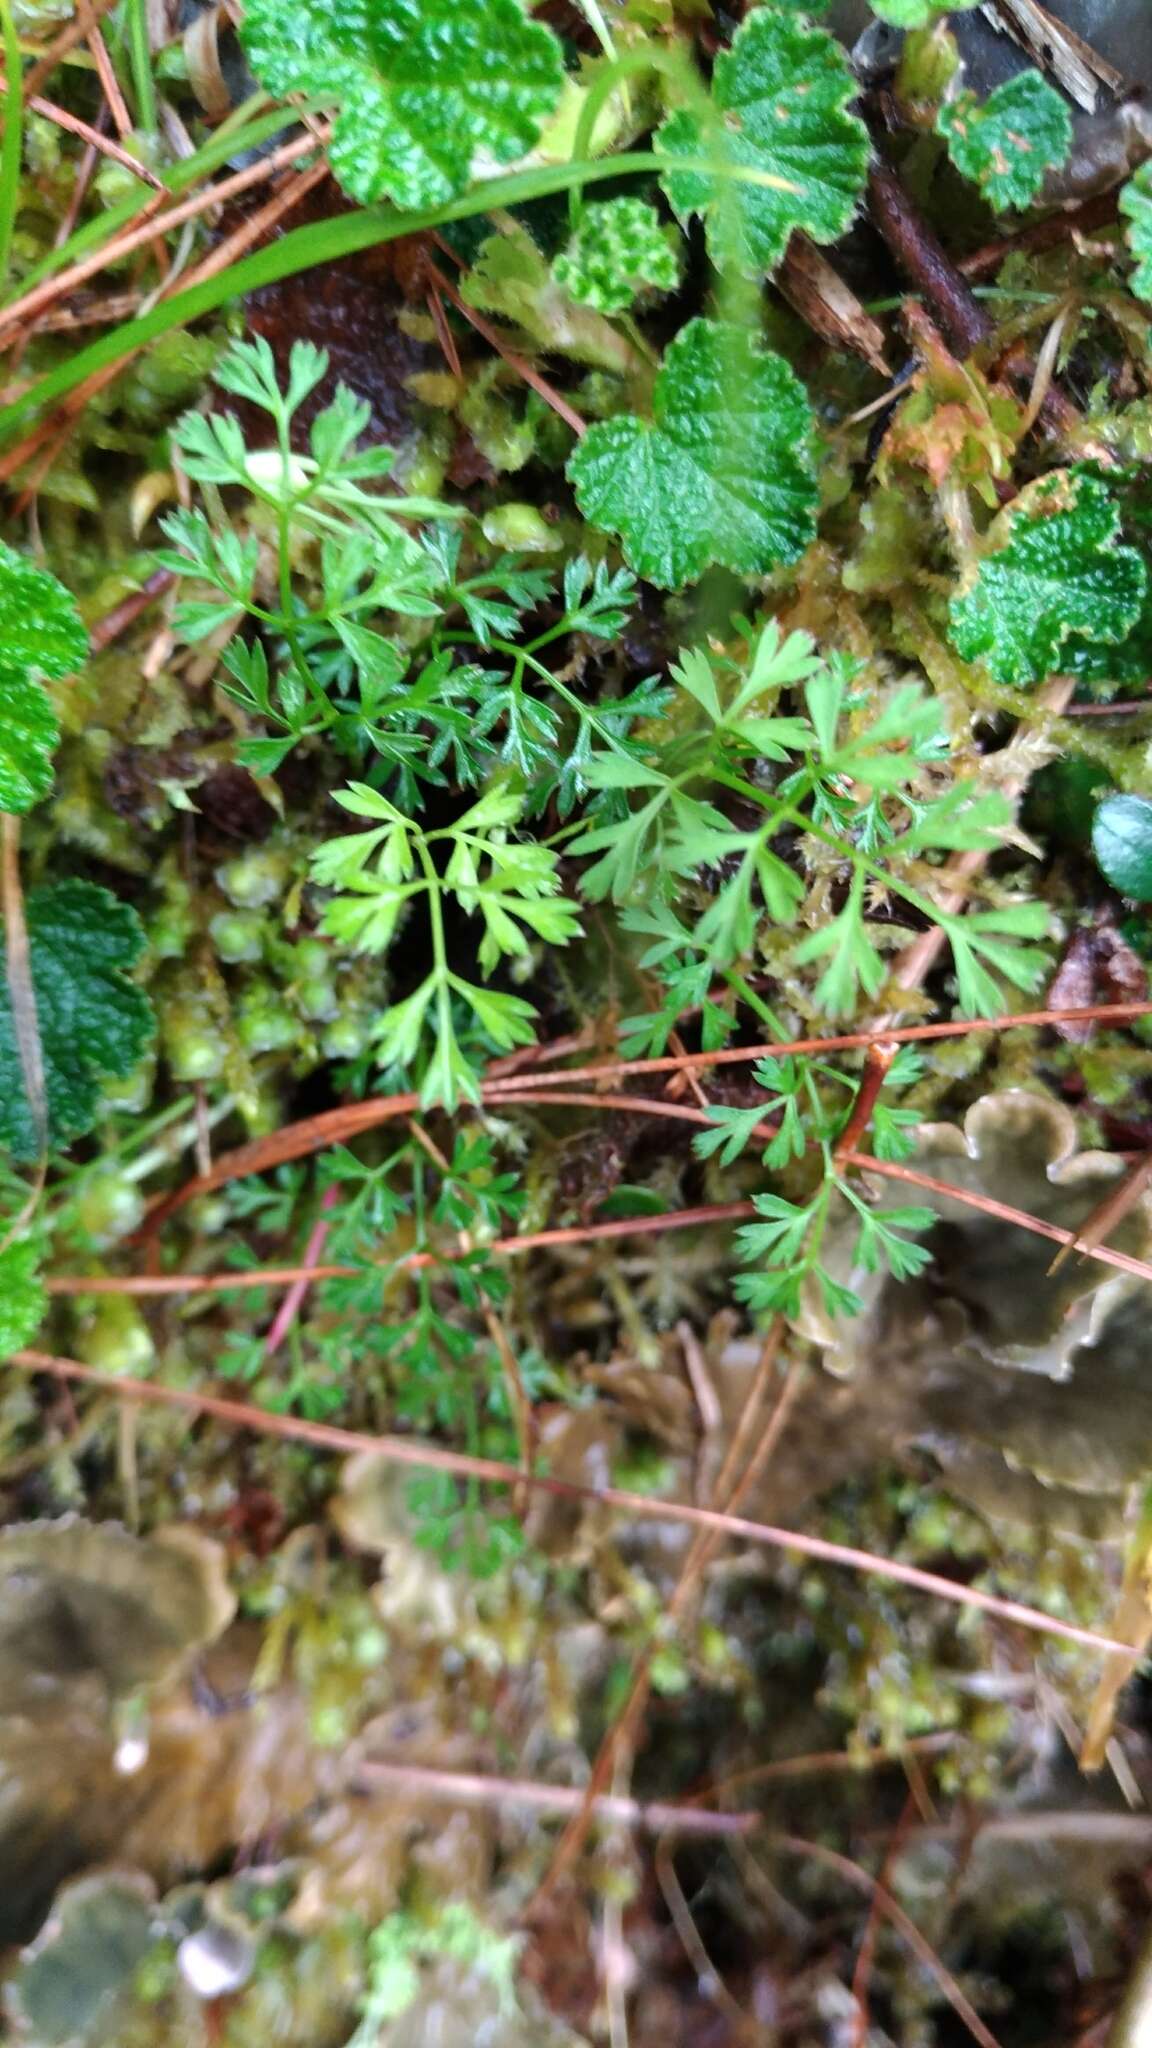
1023, 1220
405, 1451
518, 1398
337, 1126
103, 143
463, 1788
150, 223
848, 1041
621, 1737
72, 33
93, 36
507, 1247
514, 360
58, 425
1110, 1212
892, 1910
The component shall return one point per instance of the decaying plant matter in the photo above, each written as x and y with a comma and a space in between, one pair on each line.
575, 1045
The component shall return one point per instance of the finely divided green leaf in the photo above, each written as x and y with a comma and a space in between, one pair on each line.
41, 636
1122, 843
1061, 572
1007, 142
425, 90
23, 1302
781, 93
94, 1022
724, 472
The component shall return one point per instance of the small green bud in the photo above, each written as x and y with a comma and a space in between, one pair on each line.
238, 935
108, 1206
317, 1000
193, 1041
256, 878
266, 1024
313, 958
347, 1037
114, 1337
520, 527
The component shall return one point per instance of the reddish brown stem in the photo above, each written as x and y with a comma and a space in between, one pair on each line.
403, 1451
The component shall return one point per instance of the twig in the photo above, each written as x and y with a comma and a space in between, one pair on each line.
462, 1788
926, 262
293, 1301
518, 1398
1023, 1220
1094, 213
337, 1126
404, 1451
1108, 1213
129, 609
893, 1911
515, 361
866, 1954
93, 36
150, 223
877, 1061
704, 1214
61, 117
821, 297
72, 33
707, 1975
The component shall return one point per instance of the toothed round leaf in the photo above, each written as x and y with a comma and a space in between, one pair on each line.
41, 635
41, 631
1061, 572
782, 92
423, 88
724, 472
94, 1023
29, 735
1006, 143
1136, 206
1122, 843
22, 1298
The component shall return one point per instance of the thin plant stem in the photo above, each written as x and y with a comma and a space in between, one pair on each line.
140, 54
495, 1471
922, 1949
465, 1789
11, 146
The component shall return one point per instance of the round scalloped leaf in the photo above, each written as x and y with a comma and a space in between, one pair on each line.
29, 736
23, 1301
1136, 206
41, 635
1008, 142
94, 1022
1122, 843
423, 88
723, 472
782, 92
1061, 572
41, 631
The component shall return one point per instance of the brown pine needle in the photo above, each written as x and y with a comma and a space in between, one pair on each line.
1108, 1214
892, 1910
405, 1451
467, 1789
